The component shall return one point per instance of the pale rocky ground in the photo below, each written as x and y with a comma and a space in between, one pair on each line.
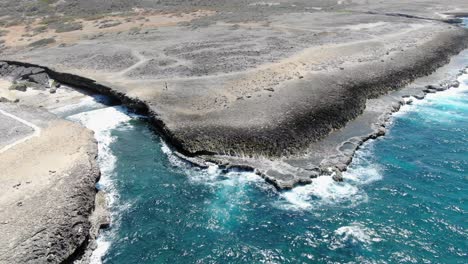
48, 171
245, 81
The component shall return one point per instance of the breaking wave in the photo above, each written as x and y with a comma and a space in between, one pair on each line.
354, 235
103, 121
213, 175
324, 191
88, 103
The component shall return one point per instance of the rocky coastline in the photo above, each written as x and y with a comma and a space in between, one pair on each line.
290, 99
51, 210
48, 188
255, 148
84, 244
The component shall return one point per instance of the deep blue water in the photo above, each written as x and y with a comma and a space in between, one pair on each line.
404, 199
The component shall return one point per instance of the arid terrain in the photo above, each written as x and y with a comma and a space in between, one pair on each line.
287, 88
47, 185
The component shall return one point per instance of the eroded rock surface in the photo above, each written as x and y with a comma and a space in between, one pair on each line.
245, 81
289, 89
48, 172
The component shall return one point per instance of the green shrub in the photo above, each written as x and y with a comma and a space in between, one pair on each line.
42, 42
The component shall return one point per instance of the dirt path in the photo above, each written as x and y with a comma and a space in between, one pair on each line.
37, 131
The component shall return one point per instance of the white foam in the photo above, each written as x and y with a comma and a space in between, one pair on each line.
241, 178
363, 174
213, 175
100, 251
232, 186
353, 235
86, 103
324, 191
451, 95
194, 174
102, 122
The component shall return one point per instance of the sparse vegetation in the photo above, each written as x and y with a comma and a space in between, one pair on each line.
39, 29
22, 87
184, 24
42, 42
61, 23
52, 20
66, 27
14, 22
54, 84
134, 30
109, 23
94, 17
48, 2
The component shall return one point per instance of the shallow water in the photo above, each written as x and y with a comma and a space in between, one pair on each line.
404, 198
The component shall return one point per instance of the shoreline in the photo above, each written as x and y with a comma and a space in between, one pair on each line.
287, 171
381, 128
283, 122
54, 188
293, 169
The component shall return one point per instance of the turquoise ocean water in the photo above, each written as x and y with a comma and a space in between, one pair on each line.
404, 198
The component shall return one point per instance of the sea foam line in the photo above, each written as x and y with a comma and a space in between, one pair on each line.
103, 122
88, 103
449, 94
324, 191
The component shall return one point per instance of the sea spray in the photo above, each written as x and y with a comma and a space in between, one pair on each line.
364, 170
393, 204
102, 121
213, 175
384, 211
353, 235
88, 103
448, 97
324, 191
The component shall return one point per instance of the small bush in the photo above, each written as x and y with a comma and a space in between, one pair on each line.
68, 27
13, 23
42, 42
109, 24
22, 87
39, 29
55, 20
